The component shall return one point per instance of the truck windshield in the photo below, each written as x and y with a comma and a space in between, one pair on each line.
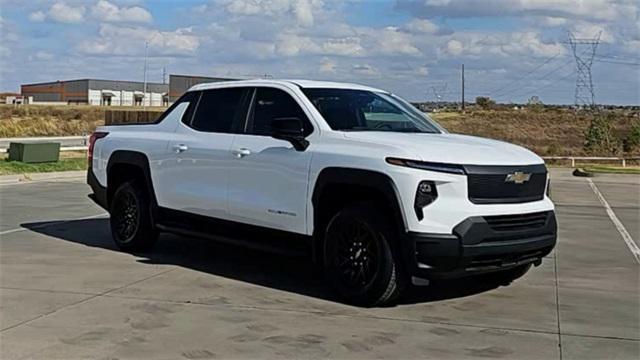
361, 110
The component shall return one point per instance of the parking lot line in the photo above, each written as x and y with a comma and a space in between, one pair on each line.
633, 247
49, 224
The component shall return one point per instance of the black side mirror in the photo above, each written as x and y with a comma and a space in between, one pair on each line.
289, 129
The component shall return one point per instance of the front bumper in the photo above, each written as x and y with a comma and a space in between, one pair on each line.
478, 245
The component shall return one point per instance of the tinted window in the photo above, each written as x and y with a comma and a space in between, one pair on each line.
182, 108
273, 103
218, 109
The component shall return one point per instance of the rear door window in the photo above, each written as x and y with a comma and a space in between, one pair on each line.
182, 108
220, 110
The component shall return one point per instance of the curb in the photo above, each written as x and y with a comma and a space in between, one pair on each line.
35, 177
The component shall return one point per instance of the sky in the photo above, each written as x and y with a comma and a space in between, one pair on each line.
511, 49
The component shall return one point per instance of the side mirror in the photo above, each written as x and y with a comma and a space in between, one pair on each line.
289, 129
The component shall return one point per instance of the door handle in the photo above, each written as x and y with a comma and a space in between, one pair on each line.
240, 153
180, 148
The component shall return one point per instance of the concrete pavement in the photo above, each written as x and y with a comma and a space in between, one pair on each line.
65, 292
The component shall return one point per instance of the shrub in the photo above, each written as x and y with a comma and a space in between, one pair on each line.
632, 141
485, 102
600, 138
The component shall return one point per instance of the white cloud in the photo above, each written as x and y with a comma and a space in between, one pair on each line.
365, 69
527, 43
302, 10
64, 13
328, 66
586, 9
553, 21
349, 46
454, 47
587, 30
109, 12
43, 55
421, 26
37, 16
387, 41
129, 41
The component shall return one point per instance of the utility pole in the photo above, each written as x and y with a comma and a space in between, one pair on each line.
463, 88
144, 86
164, 75
584, 50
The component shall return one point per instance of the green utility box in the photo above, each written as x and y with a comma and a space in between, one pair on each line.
34, 152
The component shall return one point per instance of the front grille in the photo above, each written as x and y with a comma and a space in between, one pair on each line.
488, 185
517, 222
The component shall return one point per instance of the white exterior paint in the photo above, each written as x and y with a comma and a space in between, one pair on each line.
204, 174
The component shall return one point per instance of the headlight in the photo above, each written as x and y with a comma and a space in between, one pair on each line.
438, 167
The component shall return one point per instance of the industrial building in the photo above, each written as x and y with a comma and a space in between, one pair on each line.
112, 92
97, 92
179, 84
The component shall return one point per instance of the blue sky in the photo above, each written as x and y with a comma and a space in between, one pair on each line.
512, 49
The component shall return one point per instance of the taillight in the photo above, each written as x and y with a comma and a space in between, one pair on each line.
92, 141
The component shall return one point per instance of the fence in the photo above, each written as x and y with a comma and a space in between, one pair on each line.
115, 117
573, 159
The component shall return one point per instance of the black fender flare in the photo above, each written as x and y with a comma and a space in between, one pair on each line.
350, 176
139, 160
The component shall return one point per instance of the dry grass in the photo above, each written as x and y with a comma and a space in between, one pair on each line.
547, 132
37, 120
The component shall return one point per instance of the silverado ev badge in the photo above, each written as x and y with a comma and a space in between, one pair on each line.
518, 177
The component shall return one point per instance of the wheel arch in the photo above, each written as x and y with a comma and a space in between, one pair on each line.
336, 187
126, 165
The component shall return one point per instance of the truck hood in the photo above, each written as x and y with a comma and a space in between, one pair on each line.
451, 148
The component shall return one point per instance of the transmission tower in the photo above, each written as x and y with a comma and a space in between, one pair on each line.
439, 91
584, 51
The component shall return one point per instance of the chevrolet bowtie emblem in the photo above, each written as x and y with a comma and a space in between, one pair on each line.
518, 177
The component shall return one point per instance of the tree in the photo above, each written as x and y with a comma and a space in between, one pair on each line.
485, 102
632, 141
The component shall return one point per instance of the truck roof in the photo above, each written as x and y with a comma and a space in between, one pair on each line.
286, 82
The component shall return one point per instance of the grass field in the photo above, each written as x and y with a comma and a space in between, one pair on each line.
613, 169
548, 132
16, 167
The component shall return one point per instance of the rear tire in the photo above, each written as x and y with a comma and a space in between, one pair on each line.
360, 260
131, 225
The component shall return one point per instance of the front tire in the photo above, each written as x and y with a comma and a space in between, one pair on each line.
131, 225
359, 259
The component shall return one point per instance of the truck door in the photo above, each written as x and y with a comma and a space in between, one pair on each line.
201, 153
268, 178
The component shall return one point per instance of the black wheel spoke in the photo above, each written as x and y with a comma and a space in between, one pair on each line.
356, 258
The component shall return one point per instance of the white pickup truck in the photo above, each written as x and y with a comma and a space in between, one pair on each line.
376, 192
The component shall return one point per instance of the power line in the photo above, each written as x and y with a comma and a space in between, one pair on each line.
525, 75
617, 62
520, 93
547, 74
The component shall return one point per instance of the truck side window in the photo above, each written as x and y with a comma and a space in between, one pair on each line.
271, 103
181, 109
218, 109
